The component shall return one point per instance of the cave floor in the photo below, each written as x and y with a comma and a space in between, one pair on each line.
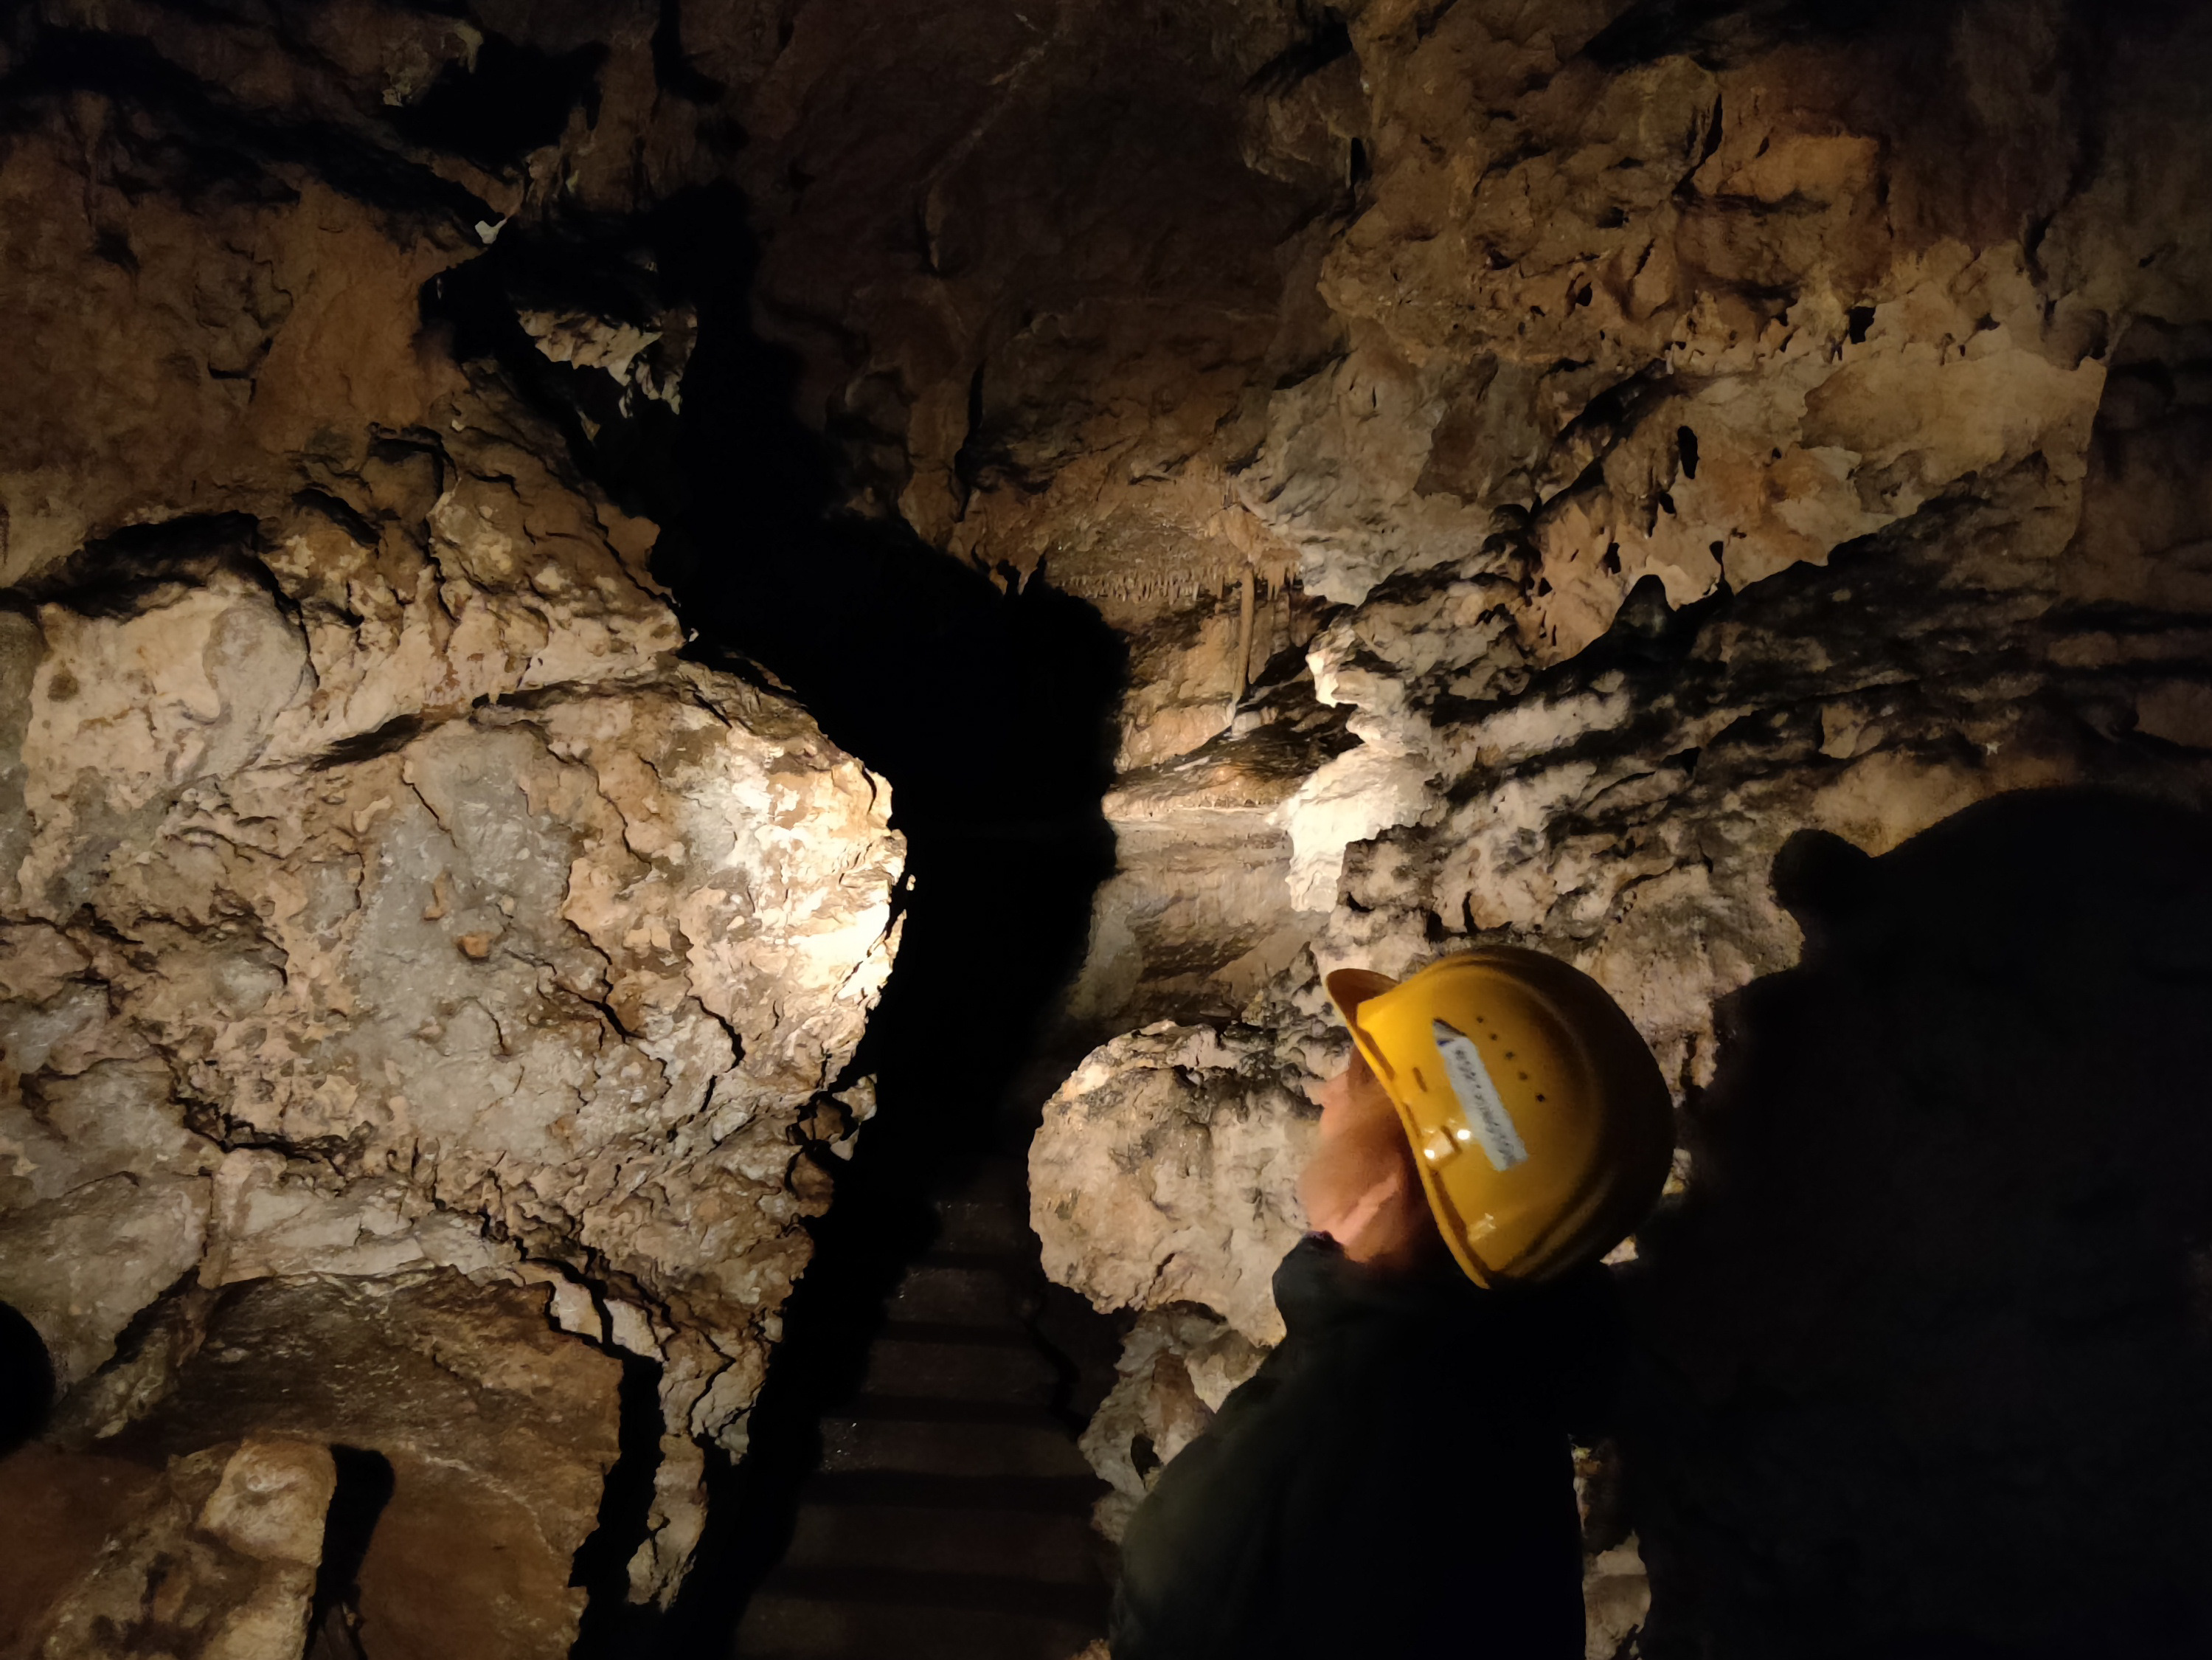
950, 1516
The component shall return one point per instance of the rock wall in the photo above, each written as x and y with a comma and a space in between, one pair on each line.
1727, 434
390, 921
218, 1558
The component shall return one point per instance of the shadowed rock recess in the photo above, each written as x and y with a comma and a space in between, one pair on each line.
500, 504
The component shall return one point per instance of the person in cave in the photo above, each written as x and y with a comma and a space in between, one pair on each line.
1397, 1478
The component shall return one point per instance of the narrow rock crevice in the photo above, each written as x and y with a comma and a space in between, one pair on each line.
363, 1487
602, 1563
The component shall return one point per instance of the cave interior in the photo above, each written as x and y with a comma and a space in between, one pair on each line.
692, 692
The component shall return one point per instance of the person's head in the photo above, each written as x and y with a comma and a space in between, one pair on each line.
1361, 1187
1500, 1102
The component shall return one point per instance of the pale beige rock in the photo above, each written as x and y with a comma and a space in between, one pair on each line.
1177, 1366
322, 955
624, 350
1166, 1171
1351, 799
81, 1267
270, 1501
450, 934
1617, 1598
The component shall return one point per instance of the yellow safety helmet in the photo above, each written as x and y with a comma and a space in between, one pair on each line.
1540, 1125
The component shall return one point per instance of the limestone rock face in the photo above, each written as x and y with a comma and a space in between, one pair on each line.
539, 992
1166, 1173
217, 1560
1177, 1366
380, 896
473, 1438
494, 1431
1713, 435
1752, 476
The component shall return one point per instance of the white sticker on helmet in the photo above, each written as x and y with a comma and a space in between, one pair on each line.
1478, 1098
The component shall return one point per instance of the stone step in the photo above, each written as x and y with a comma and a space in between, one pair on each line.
990, 1210
1038, 1495
911, 1436
959, 1292
1009, 1372
949, 1519
1060, 1549
852, 1616
1002, 1181
983, 1225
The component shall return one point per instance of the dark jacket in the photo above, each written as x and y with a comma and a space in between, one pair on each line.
1397, 1480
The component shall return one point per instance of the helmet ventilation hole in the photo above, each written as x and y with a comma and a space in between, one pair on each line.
1420, 1082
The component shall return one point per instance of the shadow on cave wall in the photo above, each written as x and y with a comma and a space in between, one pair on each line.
988, 706
1928, 1337
27, 1380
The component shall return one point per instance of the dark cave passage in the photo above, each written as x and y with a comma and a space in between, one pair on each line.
915, 1486
989, 706
364, 1487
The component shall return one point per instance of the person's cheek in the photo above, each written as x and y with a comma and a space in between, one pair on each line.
1320, 1182
1335, 1099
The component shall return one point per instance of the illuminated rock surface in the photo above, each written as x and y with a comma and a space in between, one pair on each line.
1538, 458
386, 908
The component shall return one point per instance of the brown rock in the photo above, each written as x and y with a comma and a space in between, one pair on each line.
498, 1430
214, 1561
62, 1508
271, 1501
